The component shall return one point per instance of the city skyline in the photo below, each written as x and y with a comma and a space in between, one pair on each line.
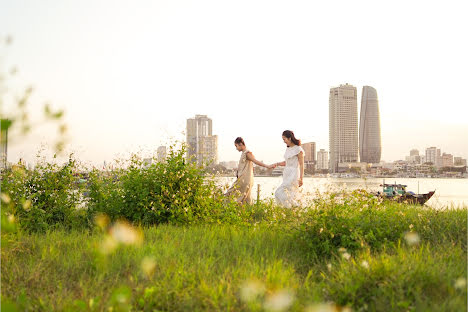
131, 85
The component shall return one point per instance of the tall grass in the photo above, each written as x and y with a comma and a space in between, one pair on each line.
225, 267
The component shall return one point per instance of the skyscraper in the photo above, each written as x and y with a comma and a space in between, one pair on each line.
309, 158
343, 126
433, 155
369, 127
322, 160
202, 145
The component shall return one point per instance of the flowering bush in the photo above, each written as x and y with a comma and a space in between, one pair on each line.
48, 196
175, 191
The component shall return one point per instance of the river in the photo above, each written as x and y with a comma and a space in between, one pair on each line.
448, 192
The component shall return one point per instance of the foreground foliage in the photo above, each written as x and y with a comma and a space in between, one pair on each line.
161, 237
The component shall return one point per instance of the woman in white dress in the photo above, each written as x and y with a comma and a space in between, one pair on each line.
288, 194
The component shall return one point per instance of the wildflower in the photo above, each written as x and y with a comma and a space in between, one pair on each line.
411, 226
148, 266
101, 220
460, 283
279, 301
5, 198
329, 267
126, 234
27, 205
321, 230
11, 218
342, 249
250, 290
412, 238
365, 264
108, 245
346, 256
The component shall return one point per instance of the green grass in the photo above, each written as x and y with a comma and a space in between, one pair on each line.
217, 267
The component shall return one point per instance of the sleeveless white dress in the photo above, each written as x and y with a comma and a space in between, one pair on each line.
288, 193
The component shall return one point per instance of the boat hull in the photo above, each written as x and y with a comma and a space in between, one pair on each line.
416, 199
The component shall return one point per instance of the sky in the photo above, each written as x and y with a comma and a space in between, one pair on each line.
129, 73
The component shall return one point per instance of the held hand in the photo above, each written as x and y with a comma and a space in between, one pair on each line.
300, 182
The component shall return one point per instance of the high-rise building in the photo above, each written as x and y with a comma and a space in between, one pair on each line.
208, 150
202, 145
162, 153
343, 126
369, 128
414, 152
414, 157
447, 160
322, 160
433, 156
458, 161
309, 158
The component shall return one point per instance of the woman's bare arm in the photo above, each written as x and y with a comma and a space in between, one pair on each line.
251, 157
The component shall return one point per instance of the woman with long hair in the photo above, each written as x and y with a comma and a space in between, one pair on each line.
288, 194
241, 188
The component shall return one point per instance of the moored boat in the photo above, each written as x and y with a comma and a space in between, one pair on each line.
398, 193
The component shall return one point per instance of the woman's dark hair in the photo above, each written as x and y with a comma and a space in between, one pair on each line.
239, 140
290, 135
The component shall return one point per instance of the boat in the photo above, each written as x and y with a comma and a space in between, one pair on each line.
398, 193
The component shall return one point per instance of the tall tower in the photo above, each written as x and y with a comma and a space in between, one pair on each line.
202, 145
343, 126
370, 147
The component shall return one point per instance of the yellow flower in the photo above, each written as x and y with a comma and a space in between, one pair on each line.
101, 220
251, 290
123, 232
148, 266
5, 198
27, 205
412, 238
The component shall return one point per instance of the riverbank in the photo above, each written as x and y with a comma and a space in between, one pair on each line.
387, 257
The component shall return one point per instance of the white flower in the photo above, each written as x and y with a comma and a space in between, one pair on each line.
11, 218
460, 283
148, 265
124, 233
279, 301
27, 205
412, 238
250, 290
5, 198
365, 264
346, 256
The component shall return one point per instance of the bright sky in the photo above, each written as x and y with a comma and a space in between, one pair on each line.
129, 73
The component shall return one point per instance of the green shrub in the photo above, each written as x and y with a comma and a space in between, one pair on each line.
358, 220
44, 198
174, 191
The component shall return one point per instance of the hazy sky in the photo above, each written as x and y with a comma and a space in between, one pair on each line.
129, 73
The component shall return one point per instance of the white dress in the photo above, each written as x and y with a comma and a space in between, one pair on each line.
288, 193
